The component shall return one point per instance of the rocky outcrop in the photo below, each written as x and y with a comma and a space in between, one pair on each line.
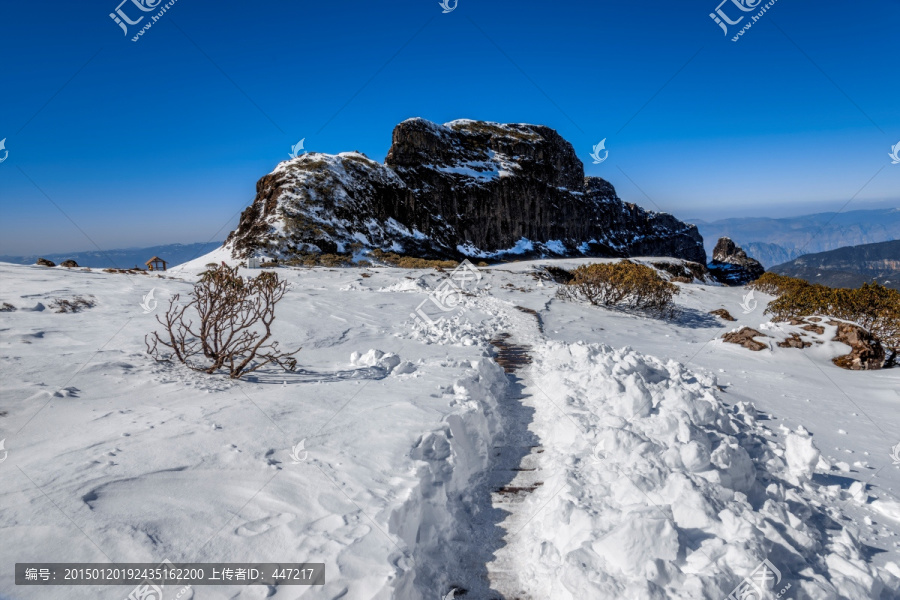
731, 265
463, 189
69, 264
866, 352
45, 263
744, 337
723, 314
794, 341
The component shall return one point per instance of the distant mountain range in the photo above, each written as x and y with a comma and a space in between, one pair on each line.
848, 267
123, 258
776, 241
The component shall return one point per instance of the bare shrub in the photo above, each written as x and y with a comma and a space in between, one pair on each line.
234, 318
625, 284
76, 304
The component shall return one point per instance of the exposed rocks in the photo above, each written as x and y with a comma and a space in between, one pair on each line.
684, 271
794, 341
45, 263
866, 351
463, 189
744, 337
69, 264
731, 265
818, 329
721, 312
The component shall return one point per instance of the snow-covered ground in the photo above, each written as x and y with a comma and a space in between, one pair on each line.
631, 458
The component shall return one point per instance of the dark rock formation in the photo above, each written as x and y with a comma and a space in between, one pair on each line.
45, 263
69, 264
744, 337
685, 271
467, 188
866, 351
731, 265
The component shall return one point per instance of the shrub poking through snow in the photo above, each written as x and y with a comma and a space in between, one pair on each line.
874, 307
625, 284
234, 318
76, 304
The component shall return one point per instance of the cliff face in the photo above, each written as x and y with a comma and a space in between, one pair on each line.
467, 188
731, 265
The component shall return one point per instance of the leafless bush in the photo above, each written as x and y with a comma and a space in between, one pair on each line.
233, 316
76, 304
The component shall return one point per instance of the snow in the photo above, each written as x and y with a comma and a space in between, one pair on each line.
669, 465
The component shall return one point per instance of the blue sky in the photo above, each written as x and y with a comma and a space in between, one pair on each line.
120, 143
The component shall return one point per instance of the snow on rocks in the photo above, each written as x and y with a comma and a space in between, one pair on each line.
687, 498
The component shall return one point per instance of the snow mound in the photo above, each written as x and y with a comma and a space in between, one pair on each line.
664, 492
375, 358
406, 285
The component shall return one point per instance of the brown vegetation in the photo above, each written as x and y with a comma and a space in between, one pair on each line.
625, 284
873, 307
76, 304
233, 329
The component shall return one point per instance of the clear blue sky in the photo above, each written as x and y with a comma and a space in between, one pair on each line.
163, 140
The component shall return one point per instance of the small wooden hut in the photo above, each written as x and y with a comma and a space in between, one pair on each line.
156, 264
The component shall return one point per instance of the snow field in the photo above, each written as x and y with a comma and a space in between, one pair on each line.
659, 480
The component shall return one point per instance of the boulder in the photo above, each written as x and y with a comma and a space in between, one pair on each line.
866, 350
794, 341
69, 264
744, 337
724, 314
731, 266
45, 263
